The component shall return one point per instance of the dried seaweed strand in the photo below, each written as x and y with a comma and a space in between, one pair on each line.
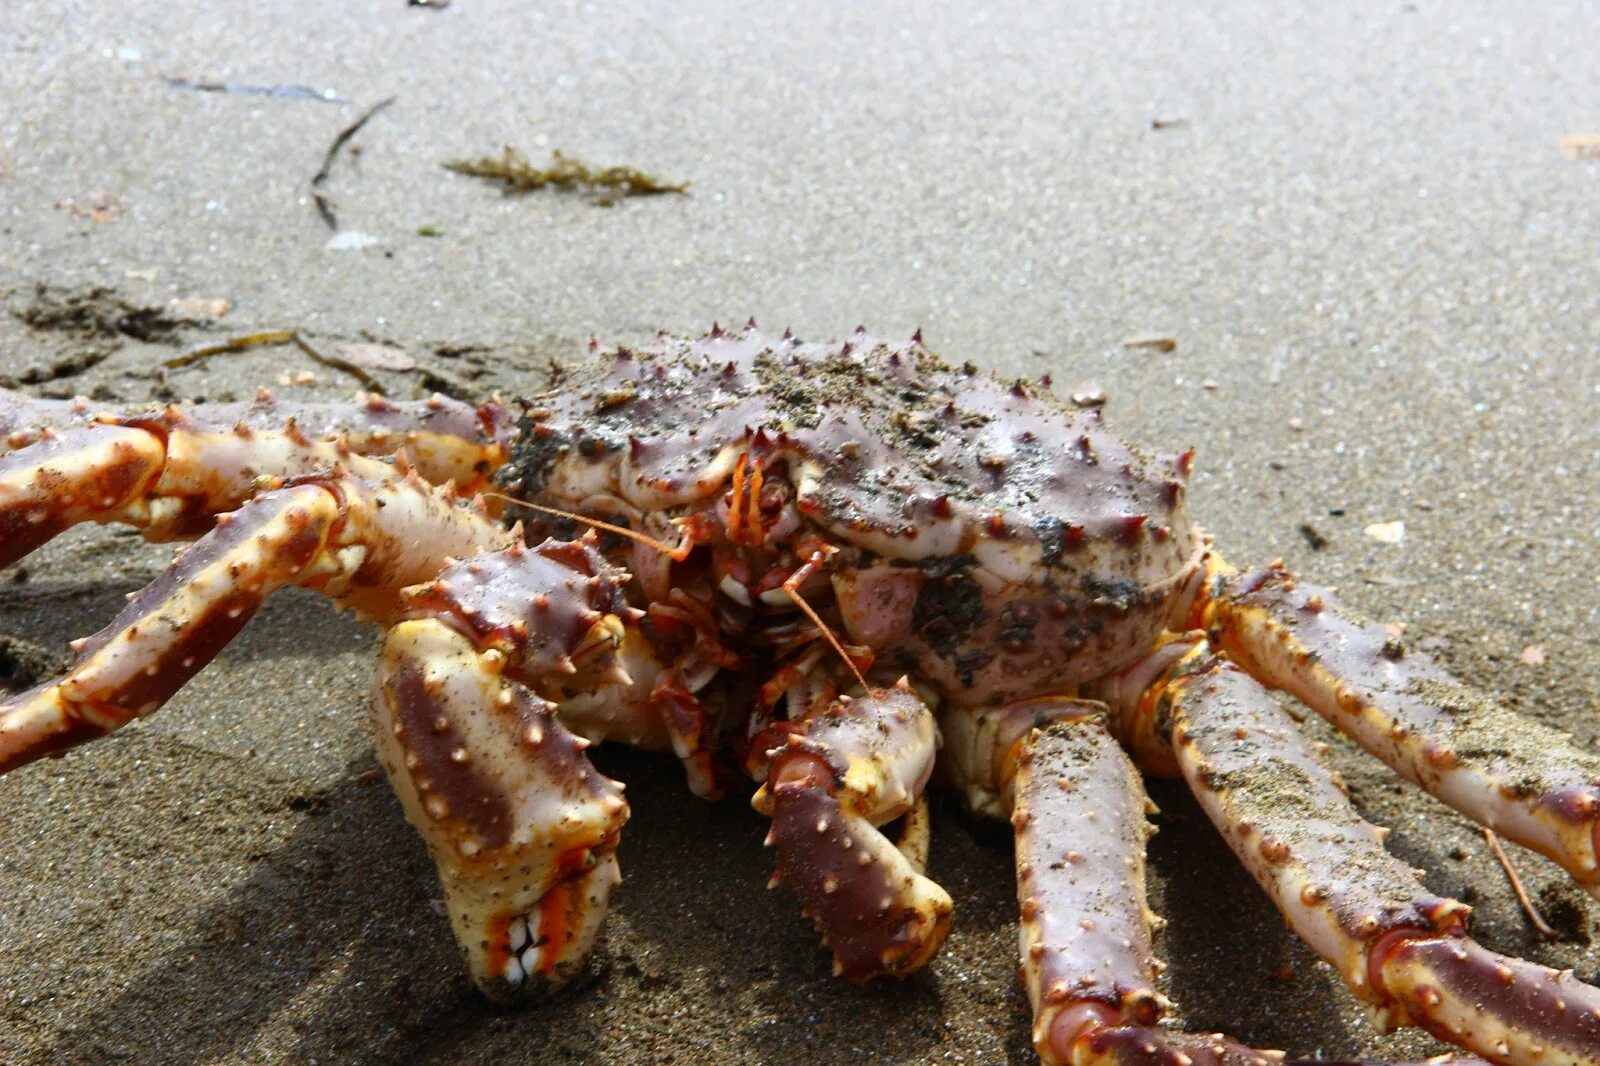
607, 184
1516, 885
324, 205
270, 337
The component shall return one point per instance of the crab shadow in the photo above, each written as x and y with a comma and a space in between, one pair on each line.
332, 948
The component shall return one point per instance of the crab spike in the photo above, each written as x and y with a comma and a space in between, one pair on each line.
916, 337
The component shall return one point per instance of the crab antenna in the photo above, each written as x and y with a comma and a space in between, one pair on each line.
792, 587
609, 527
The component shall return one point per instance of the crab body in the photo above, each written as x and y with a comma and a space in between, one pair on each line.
984, 537
847, 570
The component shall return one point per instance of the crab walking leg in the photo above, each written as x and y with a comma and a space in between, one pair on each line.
848, 768
1077, 806
1398, 946
522, 828
170, 472
1524, 780
358, 541
73, 476
1078, 812
445, 439
172, 628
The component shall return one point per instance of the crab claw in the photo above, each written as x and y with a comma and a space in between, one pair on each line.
854, 766
521, 826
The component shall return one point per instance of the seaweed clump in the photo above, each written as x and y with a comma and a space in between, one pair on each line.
606, 185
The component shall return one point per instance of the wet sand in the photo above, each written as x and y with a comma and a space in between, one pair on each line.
1378, 266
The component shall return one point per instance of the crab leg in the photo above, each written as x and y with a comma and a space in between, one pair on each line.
172, 628
1397, 945
73, 476
358, 541
1527, 782
1077, 807
168, 472
445, 439
1079, 816
847, 768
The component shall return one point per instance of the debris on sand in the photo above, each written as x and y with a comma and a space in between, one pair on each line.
1155, 342
99, 312
193, 307
324, 204
234, 88
606, 185
1581, 145
378, 356
96, 205
1314, 537
1386, 532
268, 338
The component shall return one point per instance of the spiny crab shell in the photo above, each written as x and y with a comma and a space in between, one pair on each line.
998, 541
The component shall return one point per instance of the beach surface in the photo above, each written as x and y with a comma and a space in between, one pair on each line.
1378, 268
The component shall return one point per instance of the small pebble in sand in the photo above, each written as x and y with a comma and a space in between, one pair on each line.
1387, 532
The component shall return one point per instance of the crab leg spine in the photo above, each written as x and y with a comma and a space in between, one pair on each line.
1397, 945
1527, 782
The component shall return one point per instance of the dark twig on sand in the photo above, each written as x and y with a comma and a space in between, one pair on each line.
271, 337
606, 184
324, 205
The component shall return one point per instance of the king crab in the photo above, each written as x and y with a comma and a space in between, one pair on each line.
813, 564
